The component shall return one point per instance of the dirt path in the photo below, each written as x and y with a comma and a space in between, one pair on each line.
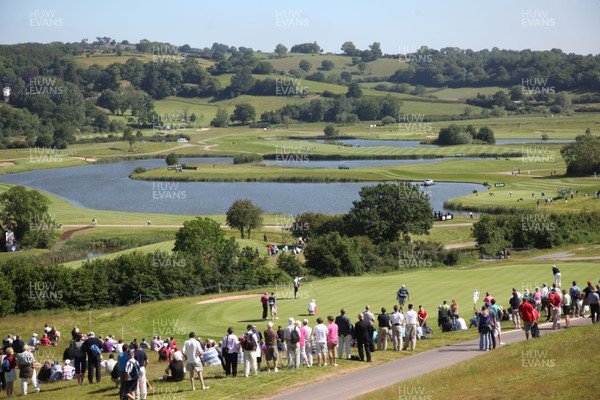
67, 234
372, 378
459, 245
227, 298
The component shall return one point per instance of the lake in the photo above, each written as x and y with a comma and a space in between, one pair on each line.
108, 187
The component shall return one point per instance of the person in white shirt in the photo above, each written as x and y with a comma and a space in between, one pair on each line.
411, 328
109, 364
193, 353
251, 348
397, 320
320, 331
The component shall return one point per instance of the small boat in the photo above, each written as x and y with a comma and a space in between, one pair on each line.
428, 182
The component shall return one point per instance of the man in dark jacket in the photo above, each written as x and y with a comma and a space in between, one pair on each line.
93, 359
345, 329
363, 333
18, 345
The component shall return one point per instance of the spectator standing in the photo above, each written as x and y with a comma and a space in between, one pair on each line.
363, 333
345, 329
411, 318
229, 349
397, 321
384, 324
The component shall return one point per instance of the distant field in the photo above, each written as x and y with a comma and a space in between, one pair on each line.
105, 60
463, 93
381, 67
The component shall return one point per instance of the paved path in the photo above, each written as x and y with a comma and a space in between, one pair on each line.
366, 380
459, 245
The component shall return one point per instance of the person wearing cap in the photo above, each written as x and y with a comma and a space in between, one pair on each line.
34, 342
287, 335
93, 362
312, 307
271, 353
554, 302
250, 351
193, 354
26, 362
68, 371
402, 295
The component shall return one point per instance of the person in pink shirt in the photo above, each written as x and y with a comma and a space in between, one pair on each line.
332, 341
537, 298
487, 299
301, 343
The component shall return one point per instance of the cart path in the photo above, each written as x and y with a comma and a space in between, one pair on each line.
369, 379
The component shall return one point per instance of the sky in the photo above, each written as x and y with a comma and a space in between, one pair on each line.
399, 25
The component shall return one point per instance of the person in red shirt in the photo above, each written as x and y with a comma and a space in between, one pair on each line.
526, 312
45, 340
264, 300
422, 314
554, 301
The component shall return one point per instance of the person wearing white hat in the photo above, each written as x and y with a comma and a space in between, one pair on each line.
68, 371
312, 307
34, 342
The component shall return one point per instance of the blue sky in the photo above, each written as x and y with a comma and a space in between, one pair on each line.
573, 26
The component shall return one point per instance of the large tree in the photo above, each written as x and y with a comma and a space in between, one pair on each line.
21, 210
582, 156
387, 211
244, 113
203, 237
244, 215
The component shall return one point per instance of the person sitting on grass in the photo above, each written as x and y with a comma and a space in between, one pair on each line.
45, 340
175, 371
211, 355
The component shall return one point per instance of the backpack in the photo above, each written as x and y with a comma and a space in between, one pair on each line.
95, 350
294, 337
162, 355
135, 372
6, 366
115, 372
249, 344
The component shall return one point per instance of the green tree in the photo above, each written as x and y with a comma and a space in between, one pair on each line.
288, 263
304, 65
327, 65
243, 215
20, 209
330, 130
244, 113
203, 238
129, 137
583, 156
562, 101
334, 255
242, 81
346, 76
350, 49
387, 211
220, 120
354, 90
281, 50
172, 159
